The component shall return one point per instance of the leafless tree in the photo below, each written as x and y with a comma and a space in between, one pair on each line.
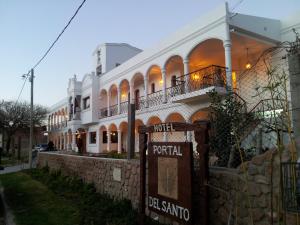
15, 116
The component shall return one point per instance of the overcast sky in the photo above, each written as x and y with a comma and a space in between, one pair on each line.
27, 27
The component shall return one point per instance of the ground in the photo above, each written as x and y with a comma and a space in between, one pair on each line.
38, 197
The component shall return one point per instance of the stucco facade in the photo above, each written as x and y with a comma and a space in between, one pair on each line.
168, 82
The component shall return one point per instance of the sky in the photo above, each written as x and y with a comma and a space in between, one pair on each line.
28, 27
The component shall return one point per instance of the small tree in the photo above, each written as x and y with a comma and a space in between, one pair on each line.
16, 115
229, 119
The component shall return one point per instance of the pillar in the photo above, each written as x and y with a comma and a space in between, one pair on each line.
119, 99
108, 140
131, 91
146, 90
227, 48
164, 78
74, 141
119, 141
108, 104
186, 71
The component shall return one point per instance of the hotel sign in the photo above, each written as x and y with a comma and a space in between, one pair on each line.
170, 179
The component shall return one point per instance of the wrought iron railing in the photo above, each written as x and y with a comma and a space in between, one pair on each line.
123, 107
175, 90
155, 99
212, 75
291, 186
140, 103
103, 113
113, 110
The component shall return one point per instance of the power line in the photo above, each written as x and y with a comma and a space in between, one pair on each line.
236, 5
25, 76
52, 45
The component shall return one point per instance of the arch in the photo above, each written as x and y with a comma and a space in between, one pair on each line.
155, 136
153, 120
174, 70
175, 136
138, 122
137, 82
113, 94
81, 140
103, 99
154, 77
207, 52
175, 117
123, 127
102, 139
202, 114
124, 90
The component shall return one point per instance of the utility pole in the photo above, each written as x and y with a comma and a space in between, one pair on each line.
31, 118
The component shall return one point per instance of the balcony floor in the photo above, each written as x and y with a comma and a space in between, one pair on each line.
198, 95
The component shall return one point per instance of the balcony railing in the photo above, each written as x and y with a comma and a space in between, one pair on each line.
124, 107
206, 77
155, 98
113, 110
211, 76
140, 103
103, 113
175, 90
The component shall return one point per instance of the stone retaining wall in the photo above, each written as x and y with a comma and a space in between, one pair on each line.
118, 178
245, 195
240, 195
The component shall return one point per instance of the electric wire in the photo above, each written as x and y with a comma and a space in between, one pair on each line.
236, 5
49, 49
61, 33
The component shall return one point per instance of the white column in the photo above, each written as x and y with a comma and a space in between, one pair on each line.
186, 71
146, 90
227, 48
164, 78
66, 141
108, 140
119, 141
74, 141
74, 110
108, 104
131, 90
119, 100
60, 142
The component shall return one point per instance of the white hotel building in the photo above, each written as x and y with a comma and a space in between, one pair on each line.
168, 82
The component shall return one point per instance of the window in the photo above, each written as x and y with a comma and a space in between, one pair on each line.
104, 137
173, 81
86, 103
113, 137
152, 87
99, 70
93, 138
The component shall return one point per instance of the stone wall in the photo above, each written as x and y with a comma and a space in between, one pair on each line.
244, 195
238, 195
118, 178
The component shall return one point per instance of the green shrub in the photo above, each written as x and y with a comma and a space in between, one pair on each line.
94, 208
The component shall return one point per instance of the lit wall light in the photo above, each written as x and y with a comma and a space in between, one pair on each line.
248, 65
196, 77
123, 96
234, 80
161, 81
